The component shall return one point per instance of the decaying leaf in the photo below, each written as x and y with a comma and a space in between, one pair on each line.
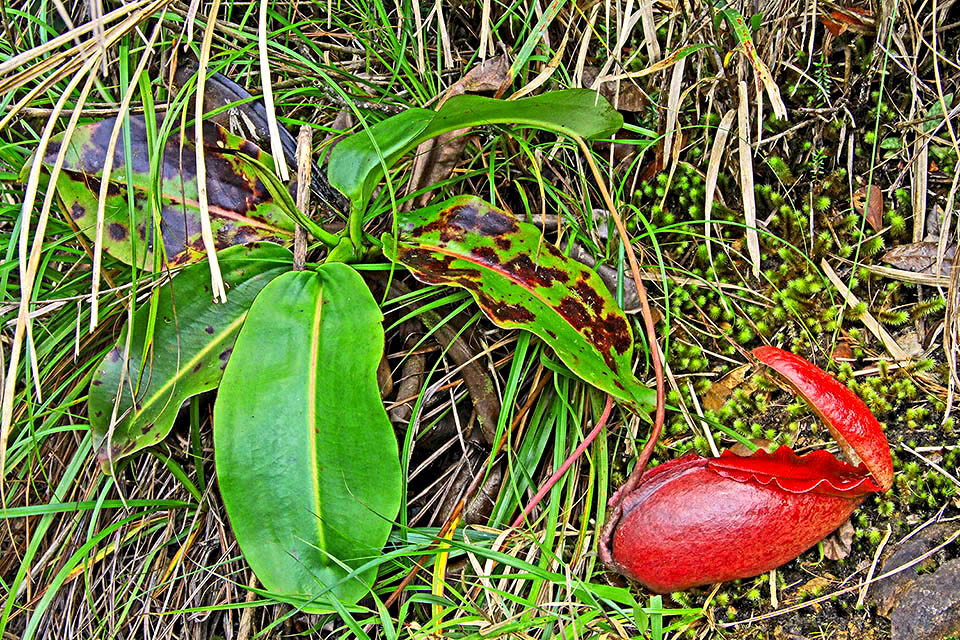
437, 157
869, 202
241, 208
838, 20
628, 97
837, 545
721, 391
920, 257
521, 281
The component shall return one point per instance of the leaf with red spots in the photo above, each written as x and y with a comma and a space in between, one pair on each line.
523, 282
241, 207
192, 341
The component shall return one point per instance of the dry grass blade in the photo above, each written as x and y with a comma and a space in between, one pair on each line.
868, 320
913, 277
649, 30
746, 180
216, 279
61, 66
39, 51
96, 17
673, 106
276, 148
28, 274
485, 33
713, 170
547, 70
919, 191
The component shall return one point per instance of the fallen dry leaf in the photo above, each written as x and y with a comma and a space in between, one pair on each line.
814, 587
870, 203
721, 390
436, 158
837, 545
920, 257
629, 98
842, 351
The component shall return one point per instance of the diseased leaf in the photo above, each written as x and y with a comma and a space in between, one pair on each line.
521, 281
241, 208
192, 340
355, 164
306, 457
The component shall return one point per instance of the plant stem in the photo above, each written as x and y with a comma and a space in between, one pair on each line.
601, 423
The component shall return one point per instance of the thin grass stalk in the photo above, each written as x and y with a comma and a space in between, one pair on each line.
108, 170
276, 149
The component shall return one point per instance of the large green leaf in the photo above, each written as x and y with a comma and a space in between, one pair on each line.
521, 281
355, 164
306, 457
192, 341
241, 207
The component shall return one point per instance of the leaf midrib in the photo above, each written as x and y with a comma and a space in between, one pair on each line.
187, 364
312, 415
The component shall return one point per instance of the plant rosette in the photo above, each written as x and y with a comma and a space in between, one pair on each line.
306, 457
748, 514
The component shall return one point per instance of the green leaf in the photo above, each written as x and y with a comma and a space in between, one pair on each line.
192, 341
521, 281
241, 208
306, 456
355, 164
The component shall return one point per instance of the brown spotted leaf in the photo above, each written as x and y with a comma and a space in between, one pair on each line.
192, 341
241, 208
521, 281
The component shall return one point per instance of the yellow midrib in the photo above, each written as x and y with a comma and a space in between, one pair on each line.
312, 414
189, 364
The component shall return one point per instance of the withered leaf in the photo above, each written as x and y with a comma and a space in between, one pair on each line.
437, 157
241, 207
837, 545
920, 257
721, 391
869, 202
629, 98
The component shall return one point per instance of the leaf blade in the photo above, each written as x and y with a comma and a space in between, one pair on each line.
468, 243
192, 341
275, 422
241, 208
355, 165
